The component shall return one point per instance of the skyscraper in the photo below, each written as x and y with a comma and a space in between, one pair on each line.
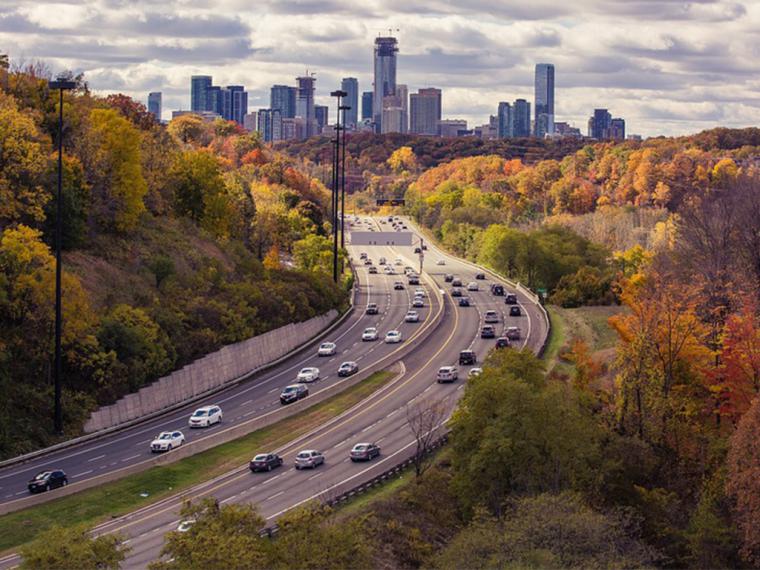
154, 104
367, 105
504, 120
305, 104
521, 118
215, 100
544, 99
234, 103
393, 115
283, 97
385, 76
199, 86
617, 129
269, 124
322, 114
600, 124
351, 86
402, 92
425, 111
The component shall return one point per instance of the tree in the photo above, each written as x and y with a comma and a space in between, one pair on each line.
73, 547
403, 159
313, 253
426, 421
190, 130
75, 207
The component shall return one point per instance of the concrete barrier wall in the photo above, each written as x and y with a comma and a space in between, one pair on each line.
207, 374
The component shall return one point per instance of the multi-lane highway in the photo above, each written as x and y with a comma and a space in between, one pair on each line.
381, 418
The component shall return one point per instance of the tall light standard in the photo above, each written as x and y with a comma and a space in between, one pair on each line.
343, 108
62, 84
336, 163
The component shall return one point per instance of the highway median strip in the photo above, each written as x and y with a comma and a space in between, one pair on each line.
142, 489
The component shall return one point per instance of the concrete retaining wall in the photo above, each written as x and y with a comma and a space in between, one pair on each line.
206, 374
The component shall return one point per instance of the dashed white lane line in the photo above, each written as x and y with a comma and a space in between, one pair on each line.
315, 476
272, 391
82, 473
249, 401
272, 479
96, 458
274, 496
130, 458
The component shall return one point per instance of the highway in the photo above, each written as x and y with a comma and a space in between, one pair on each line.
382, 417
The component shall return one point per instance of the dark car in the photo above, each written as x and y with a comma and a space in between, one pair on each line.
487, 332
510, 299
348, 368
373, 270
265, 462
448, 278
398, 286
367, 261
46, 480
513, 333
514, 311
497, 289
502, 342
413, 279
371, 309
456, 282
464, 302
467, 357
424, 247
480, 276
456, 292
417, 250
364, 452
293, 393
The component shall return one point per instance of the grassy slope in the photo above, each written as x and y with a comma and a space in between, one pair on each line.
125, 495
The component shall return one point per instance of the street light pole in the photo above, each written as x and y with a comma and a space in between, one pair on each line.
343, 108
62, 83
336, 163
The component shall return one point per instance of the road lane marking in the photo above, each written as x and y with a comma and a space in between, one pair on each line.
83, 473
96, 458
274, 496
131, 457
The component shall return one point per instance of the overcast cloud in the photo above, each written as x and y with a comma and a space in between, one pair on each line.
667, 67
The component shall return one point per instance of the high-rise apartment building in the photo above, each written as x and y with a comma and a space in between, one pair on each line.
199, 86
235, 103
504, 122
351, 86
617, 129
402, 92
269, 124
544, 100
385, 76
283, 98
452, 127
599, 124
215, 100
305, 105
367, 105
393, 115
321, 113
521, 118
154, 104
425, 111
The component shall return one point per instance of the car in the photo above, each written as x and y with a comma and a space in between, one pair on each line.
205, 416
388, 270
497, 289
47, 480
464, 301
413, 279
310, 458
417, 250
371, 309
418, 302
348, 368
447, 374
456, 292
408, 270
308, 374
363, 255
372, 270
472, 286
412, 317
480, 276
424, 247
474, 372
364, 452
513, 333
381, 261
185, 525
491, 317
441, 262
467, 357
456, 282
326, 349
167, 440
370, 333
502, 342
265, 462
392, 337
487, 331
448, 278
398, 285
510, 299
398, 261
367, 261
419, 293
293, 393
514, 311
390, 218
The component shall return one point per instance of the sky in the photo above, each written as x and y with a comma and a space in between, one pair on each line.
667, 67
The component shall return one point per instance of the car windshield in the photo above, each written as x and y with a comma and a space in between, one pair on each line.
199, 413
304, 455
360, 447
370, 331
289, 390
41, 476
260, 458
327, 345
165, 436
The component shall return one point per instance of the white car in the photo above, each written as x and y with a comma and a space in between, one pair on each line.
392, 337
418, 302
491, 317
447, 374
419, 293
412, 317
185, 525
205, 416
370, 333
440, 262
474, 372
167, 440
326, 349
472, 286
388, 270
398, 261
308, 374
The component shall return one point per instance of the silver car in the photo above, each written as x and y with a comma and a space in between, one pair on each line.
310, 458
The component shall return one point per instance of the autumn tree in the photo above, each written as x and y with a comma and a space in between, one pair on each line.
73, 547
403, 159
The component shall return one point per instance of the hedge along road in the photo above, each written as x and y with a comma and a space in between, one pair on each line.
118, 453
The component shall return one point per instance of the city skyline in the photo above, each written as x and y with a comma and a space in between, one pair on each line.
666, 68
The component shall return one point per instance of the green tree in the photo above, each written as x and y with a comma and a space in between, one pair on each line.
313, 253
73, 547
75, 208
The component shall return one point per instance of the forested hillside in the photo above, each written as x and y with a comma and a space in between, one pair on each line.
178, 240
